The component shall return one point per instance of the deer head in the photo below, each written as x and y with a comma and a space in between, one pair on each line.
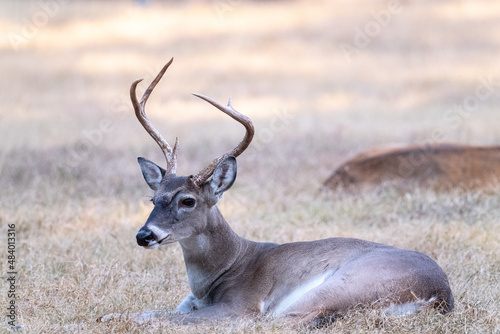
182, 203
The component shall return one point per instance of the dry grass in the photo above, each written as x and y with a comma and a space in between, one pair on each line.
78, 202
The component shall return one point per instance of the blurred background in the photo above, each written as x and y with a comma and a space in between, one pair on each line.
322, 80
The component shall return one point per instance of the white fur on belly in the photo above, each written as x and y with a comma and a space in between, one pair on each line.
296, 295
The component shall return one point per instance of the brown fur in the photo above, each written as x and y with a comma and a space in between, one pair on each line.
442, 167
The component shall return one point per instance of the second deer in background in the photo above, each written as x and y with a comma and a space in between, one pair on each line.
441, 167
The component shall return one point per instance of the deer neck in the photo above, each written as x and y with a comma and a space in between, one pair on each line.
212, 252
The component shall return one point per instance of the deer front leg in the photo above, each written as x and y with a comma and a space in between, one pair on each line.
136, 317
190, 310
186, 313
187, 305
216, 312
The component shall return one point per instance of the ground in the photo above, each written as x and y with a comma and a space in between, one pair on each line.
321, 81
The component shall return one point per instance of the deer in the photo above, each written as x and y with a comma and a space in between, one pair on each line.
442, 167
231, 277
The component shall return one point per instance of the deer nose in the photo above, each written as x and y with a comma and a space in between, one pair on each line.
145, 237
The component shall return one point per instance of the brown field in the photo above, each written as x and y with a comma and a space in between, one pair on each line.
70, 183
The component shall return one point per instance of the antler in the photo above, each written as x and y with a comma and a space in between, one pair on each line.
203, 175
170, 154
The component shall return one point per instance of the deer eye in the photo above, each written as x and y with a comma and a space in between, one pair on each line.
188, 202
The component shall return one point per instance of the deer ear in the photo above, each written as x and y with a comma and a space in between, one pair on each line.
223, 176
153, 174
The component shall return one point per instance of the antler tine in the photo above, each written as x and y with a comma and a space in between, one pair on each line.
139, 107
203, 175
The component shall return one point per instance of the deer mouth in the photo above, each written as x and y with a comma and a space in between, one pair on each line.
152, 246
166, 240
158, 243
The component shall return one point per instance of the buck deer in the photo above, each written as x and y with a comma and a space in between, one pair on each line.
232, 277
442, 167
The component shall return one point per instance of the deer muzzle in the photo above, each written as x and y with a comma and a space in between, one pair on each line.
145, 237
